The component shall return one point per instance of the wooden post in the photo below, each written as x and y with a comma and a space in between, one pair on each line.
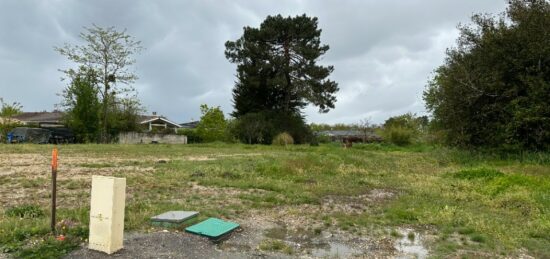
54, 187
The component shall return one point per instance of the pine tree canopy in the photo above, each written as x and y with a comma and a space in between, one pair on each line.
277, 67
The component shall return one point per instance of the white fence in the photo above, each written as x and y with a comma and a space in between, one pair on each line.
150, 138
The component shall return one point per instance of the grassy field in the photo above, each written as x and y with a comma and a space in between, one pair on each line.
461, 204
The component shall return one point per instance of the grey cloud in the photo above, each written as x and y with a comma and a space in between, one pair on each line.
383, 51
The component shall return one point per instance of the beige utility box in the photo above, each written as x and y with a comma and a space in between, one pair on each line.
107, 213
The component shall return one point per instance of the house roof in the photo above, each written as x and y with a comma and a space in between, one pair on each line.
57, 117
189, 125
50, 117
345, 133
146, 119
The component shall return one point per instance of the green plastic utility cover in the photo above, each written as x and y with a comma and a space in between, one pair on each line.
212, 227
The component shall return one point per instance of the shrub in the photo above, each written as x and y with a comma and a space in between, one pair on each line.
399, 135
253, 128
212, 126
192, 135
262, 127
323, 139
283, 139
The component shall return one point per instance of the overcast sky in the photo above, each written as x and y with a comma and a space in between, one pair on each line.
383, 51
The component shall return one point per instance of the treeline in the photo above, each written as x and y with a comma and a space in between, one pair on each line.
213, 126
493, 90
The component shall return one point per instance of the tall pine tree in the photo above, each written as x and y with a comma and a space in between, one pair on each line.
277, 68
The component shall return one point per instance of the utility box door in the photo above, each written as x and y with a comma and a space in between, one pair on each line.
107, 213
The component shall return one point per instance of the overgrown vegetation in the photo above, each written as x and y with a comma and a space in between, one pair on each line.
405, 129
101, 85
283, 139
25, 211
470, 202
492, 90
212, 125
7, 123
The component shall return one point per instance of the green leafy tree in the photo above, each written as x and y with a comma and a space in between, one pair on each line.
277, 67
125, 112
7, 111
109, 53
83, 106
253, 128
405, 129
81, 100
262, 127
212, 125
493, 89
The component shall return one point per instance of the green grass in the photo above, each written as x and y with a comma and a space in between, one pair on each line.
275, 245
479, 201
25, 211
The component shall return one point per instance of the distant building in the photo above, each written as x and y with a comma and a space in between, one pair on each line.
55, 119
189, 125
42, 119
340, 135
151, 122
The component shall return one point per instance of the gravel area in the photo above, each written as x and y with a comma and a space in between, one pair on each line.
167, 245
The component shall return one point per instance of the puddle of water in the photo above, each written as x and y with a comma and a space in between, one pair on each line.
335, 250
409, 247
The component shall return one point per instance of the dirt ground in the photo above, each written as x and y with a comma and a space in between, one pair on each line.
271, 233
241, 245
246, 242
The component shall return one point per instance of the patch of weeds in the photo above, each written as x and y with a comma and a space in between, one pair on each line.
465, 231
500, 185
411, 236
32, 183
522, 204
400, 215
317, 231
478, 238
230, 175
445, 247
540, 234
49, 247
478, 173
538, 248
395, 233
25, 211
276, 233
346, 223
197, 174
276, 245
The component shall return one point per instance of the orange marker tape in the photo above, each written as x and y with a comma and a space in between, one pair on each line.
54, 159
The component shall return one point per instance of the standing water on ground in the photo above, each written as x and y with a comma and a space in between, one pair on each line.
335, 250
409, 245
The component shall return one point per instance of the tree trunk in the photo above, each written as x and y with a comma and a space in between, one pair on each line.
105, 100
288, 87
